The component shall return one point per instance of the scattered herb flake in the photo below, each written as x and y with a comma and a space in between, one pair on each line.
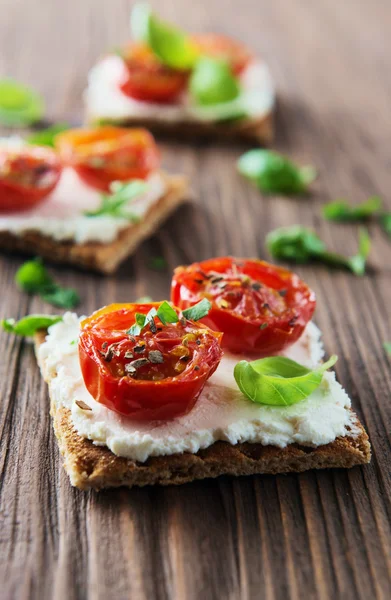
82, 405
198, 311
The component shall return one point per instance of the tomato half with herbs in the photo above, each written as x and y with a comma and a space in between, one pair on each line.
259, 307
145, 78
220, 46
106, 154
157, 374
28, 174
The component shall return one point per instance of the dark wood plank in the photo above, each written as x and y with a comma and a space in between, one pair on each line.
315, 535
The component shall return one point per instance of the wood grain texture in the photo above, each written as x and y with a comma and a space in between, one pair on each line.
315, 535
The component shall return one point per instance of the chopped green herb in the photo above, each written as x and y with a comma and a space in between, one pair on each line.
19, 105
212, 82
198, 311
46, 137
33, 278
29, 325
167, 314
278, 381
385, 222
274, 173
301, 245
263, 326
116, 203
342, 211
157, 263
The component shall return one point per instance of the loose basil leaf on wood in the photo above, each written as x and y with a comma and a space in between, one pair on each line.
385, 222
33, 278
173, 47
19, 105
46, 137
301, 245
198, 311
29, 325
342, 211
278, 381
212, 82
274, 173
115, 203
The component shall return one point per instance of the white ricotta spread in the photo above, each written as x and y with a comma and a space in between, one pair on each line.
221, 413
104, 99
61, 217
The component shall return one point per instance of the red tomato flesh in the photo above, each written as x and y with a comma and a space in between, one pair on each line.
27, 175
259, 307
157, 374
106, 154
147, 79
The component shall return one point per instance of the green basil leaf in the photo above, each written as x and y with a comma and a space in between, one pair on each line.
172, 46
46, 137
198, 311
122, 194
274, 173
29, 325
60, 297
212, 82
301, 245
167, 314
19, 105
32, 276
278, 381
342, 211
385, 222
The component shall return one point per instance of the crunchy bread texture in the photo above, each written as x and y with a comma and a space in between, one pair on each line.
96, 467
104, 258
252, 130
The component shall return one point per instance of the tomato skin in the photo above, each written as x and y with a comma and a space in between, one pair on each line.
216, 45
145, 78
285, 316
106, 154
142, 399
27, 162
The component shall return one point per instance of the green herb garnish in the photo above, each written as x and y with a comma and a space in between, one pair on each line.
274, 173
301, 245
385, 222
115, 203
46, 137
387, 347
33, 278
342, 211
278, 381
198, 311
29, 325
19, 105
212, 82
173, 47
167, 314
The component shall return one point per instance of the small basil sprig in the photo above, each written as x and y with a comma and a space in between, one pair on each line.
278, 381
301, 245
33, 278
19, 105
46, 137
166, 314
212, 82
29, 325
274, 173
342, 211
172, 46
115, 203
385, 222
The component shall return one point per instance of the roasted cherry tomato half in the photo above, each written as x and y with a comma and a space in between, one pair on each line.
146, 78
259, 307
221, 46
107, 154
157, 374
27, 175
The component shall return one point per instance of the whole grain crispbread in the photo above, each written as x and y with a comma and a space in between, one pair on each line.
101, 257
96, 467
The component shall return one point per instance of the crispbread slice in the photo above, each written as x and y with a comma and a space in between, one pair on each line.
96, 467
97, 256
251, 130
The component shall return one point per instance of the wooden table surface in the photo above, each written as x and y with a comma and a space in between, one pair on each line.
316, 535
